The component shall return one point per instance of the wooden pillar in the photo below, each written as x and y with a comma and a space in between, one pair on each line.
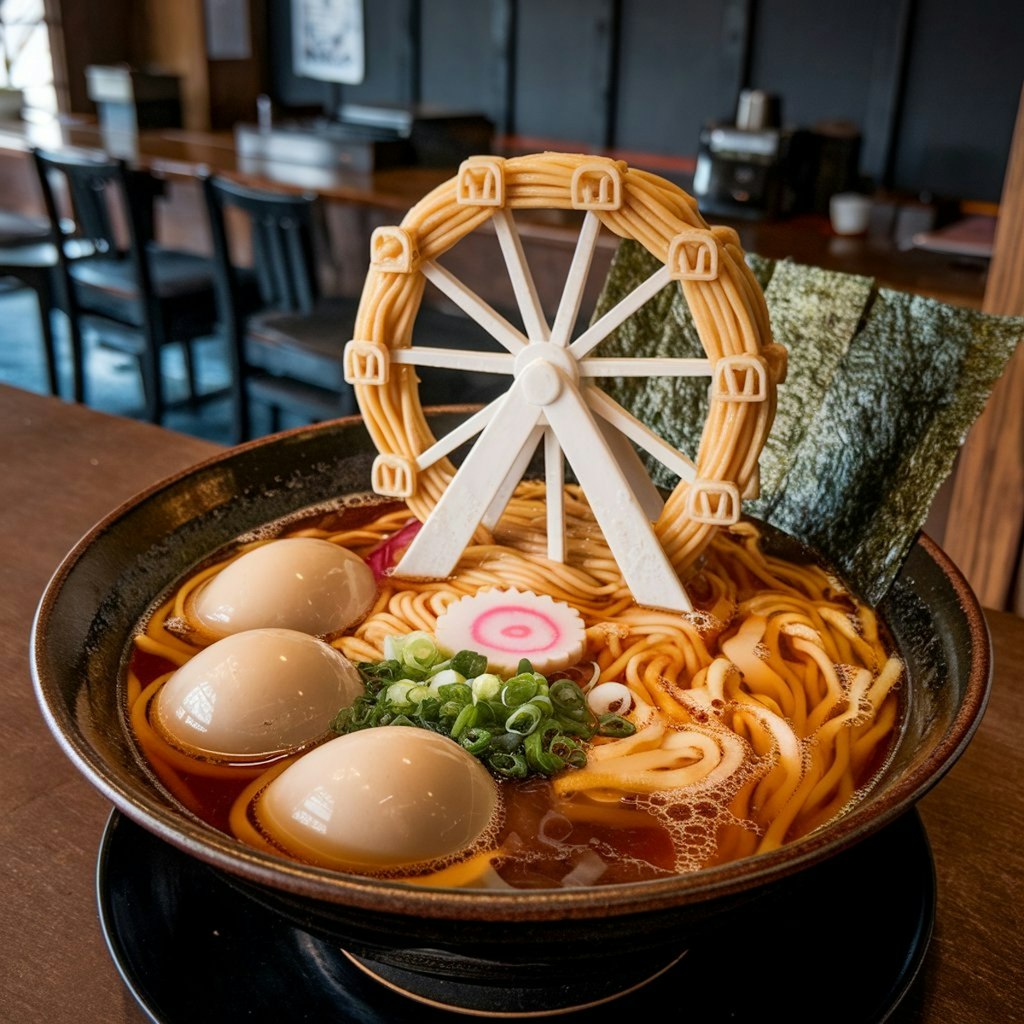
173, 37
985, 530
218, 88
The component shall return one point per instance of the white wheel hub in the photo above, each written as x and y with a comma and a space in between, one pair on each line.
541, 382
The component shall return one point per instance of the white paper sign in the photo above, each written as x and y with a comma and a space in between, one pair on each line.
327, 40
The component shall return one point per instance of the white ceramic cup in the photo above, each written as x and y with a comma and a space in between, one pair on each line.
850, 213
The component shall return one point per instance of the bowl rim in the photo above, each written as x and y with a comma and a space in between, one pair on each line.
224, 852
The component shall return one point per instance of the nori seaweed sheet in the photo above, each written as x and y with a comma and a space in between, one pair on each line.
815, 317
882, 389
673, 407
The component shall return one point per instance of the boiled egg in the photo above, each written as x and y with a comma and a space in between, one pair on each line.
253, 695
301, 583
380, 799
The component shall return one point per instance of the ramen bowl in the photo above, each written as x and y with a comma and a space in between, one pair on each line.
611, 937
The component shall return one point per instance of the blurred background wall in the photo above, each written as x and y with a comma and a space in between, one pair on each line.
932, 86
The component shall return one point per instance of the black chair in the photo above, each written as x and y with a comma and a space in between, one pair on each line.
131, 294
28, 255
288, 354
285, 339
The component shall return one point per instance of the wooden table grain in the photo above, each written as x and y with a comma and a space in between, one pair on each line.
63, 467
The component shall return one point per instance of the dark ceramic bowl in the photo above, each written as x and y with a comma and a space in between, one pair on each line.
108, 581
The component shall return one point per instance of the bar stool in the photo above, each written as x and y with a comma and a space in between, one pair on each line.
132, 294
28, 255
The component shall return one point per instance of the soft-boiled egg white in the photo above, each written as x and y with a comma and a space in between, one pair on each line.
379, 799
255, 694
301, 583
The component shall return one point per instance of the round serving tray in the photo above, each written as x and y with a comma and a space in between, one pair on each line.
167, 916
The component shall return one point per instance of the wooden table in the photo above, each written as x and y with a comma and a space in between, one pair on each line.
64, 466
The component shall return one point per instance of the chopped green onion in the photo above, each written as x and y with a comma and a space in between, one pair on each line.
570, 750
455, 691
518, 690
475, 740
568, 699
452, 709
485, 687
420, 652
512, 766
469, 663
465, 719
542, 760
570, 726
506, 742
524, 719
446, 677
518, 726
486, 717
615, 726
543, 701
398, 693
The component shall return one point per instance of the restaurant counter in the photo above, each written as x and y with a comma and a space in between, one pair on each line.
361, 201
65, 466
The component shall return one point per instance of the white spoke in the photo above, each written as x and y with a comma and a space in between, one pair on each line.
511, 481
620, 312
645, 367
519, 274
454, 359
459, 436
449, 528
629, 425
634, 470
641, 559
554, 485
576, 280
474, 307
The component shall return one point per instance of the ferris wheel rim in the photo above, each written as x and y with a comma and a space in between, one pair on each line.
489, 189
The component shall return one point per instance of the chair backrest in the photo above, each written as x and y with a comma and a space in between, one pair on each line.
284, 230
102, 204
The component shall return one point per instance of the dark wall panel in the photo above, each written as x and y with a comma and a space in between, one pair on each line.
822, 59
670, 78
933, 88
819, 63
964, 80
390, 56
563, 55
285, 88
460, 64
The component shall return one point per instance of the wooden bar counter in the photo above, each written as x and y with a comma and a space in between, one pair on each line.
360, 201
64, 466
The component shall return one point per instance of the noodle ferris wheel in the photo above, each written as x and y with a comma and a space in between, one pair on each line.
554, 400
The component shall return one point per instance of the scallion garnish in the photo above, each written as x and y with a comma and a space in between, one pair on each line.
518, 726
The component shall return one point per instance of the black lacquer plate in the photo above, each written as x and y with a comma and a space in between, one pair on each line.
190, 946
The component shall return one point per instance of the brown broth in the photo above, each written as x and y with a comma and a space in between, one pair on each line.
555, 841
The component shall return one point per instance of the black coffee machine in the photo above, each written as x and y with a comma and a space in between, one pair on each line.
755, 168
